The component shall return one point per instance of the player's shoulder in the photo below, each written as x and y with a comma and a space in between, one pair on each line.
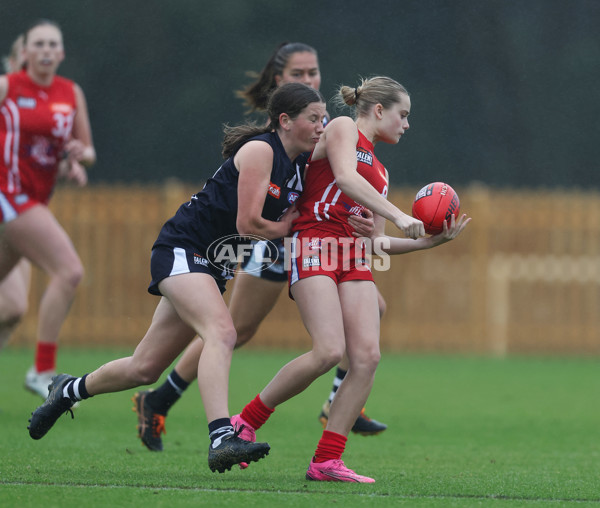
342, 128
65, 86
255, 152
257, 146
341, 122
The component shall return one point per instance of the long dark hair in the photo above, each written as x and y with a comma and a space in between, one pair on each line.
256, 94
290, 98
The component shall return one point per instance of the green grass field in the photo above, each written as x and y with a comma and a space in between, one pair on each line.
463, 431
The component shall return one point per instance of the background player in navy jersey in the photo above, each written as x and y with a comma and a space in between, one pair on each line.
338, 301
190, 278
43, 117
257, 285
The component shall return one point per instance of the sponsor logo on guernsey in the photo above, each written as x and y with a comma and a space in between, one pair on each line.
61, 107
309, 261
26, 102
292, 197
274, 190
200, 260
364, 156
355, 210
21, 199
314, 244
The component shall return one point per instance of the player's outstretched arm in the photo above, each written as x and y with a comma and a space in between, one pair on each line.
393, 245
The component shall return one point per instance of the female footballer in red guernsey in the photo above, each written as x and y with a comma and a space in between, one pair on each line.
44, 126
324, 212
331, 283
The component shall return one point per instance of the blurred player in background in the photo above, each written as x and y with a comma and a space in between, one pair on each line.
338, 303
257, 284
44, 133
14, 289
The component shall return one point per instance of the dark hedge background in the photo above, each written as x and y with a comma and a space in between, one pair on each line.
505, 92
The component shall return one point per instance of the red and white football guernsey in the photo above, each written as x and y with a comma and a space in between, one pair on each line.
323, 206
35, 123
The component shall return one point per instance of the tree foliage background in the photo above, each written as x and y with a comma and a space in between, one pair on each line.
505, 92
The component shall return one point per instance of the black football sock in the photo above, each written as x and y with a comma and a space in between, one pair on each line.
76, 390
340, 374
167, 394
218, 429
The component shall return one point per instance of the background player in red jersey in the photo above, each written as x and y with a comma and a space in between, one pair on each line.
338, 304
255, 290
14, 288
44, 132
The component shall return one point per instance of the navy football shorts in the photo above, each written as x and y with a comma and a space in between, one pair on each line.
168, 261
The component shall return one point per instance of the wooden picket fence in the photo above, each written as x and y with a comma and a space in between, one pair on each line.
523, 278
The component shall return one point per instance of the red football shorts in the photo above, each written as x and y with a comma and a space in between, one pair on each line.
13, 205
313, 252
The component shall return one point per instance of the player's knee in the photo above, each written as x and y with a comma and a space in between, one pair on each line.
145, 373
328, 358
367, 360
76, 275
71, 275
373, 359
224, 334
244, 334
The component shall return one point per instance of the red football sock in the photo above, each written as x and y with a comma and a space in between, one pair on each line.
45, 356
330, 447
256, 413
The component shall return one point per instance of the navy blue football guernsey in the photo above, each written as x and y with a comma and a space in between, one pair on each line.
211, 214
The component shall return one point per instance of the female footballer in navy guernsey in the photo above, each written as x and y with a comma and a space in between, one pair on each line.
236, 201
257, 284
211, 215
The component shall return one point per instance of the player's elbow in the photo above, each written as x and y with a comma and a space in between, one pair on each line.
247, 226
343, 181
